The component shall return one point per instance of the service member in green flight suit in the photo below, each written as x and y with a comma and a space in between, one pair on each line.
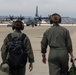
59, 41
17, 27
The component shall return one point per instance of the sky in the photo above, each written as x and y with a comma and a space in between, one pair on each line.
66, 8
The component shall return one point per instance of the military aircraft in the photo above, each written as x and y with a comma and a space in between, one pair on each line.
34, 21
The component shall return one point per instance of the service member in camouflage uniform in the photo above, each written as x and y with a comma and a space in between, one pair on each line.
59, 41
17, 27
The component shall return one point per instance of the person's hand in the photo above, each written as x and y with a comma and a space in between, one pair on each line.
72, 59
30, 67
44, 60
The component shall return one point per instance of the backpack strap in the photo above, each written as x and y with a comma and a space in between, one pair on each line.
10, 37
22, 37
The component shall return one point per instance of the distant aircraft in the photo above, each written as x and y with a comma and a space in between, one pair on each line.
15, 17
33, 20
10, 18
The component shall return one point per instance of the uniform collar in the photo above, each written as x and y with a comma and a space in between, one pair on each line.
17, 31
55, 24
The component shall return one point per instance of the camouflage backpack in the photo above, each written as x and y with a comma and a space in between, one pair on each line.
17, 51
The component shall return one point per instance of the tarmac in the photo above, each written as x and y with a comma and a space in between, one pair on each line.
35, 34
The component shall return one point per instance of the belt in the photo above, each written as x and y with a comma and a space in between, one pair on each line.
58, 48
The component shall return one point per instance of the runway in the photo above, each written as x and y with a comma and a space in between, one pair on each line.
35, 34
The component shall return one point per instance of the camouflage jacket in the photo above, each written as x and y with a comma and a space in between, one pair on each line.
26, 43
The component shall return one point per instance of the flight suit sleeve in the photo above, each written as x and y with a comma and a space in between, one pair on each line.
69, 42
29, 50
4, 49
44, 43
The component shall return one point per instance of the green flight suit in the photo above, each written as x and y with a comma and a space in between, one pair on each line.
59, 41
27, 44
